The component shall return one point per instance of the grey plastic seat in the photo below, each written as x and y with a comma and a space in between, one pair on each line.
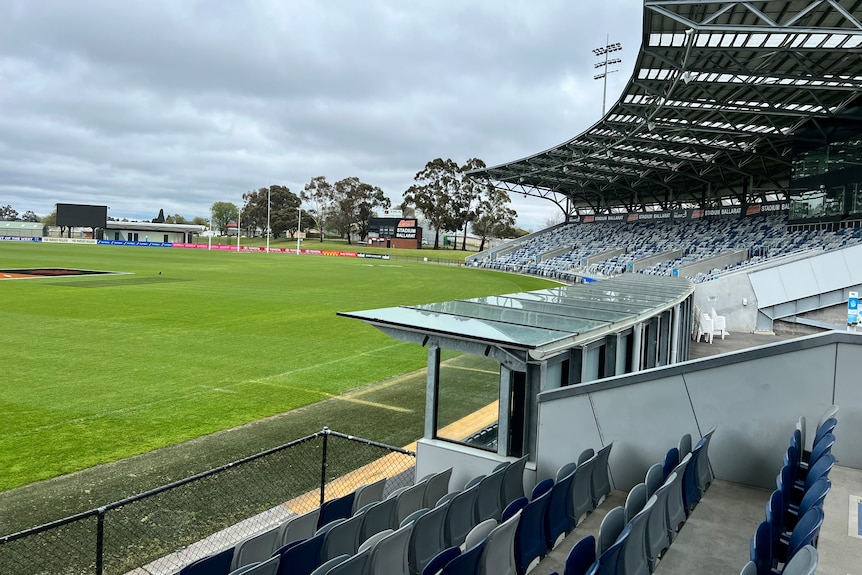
356, 565
634, 558
379, 517
612, 525
488, 497
324, 529
800, 425
684, 445
675, 500
389, 555
704, 472
409, 500
413, 517
513, 481
635, 500
436, 487
803, 562
582, 490
427, 539
498, 557
299, 527
268, 567
657, 530
750, 568
461, 517
255, 549
368, 493
324, 568
476, 480
654, 478
601, 482
479, 533
587, 453
372, 541
830, 412
565, 470
343, 538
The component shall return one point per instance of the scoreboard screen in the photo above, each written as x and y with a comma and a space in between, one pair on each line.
82, 216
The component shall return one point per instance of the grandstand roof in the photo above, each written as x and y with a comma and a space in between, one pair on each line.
539, 322
722, 94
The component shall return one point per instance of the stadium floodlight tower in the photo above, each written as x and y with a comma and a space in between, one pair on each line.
607, 61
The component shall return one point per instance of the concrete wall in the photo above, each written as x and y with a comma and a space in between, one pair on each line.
718, 262
434, 455
753, 398
726, 295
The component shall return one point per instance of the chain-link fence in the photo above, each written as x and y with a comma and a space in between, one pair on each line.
169, 527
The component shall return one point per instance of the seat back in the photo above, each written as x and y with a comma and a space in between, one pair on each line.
691, 491
684, 446
439, 561
671, 460
675, 507
373, 540
813, 497
635, 500
342, 539
478, 533
601, 481
461, 516
581, 557
324, 568
302, 558
654, 479
437, 487
389, 556
586, 454
467, 563
379, 517
215, 564
582, 496
822, 447
409, 500
255, 549
427, 539
489, 497
338, 508
806, 530
612, 525
804, 562
800, 425
820, 469
541, 488
514, 507
368, 493
299, 527
531, 538
634, 557
564, 470
609, 561
356, 565
704, 471
830, 413
498, 557
513, 481
827, 426
558, 522
761, 548
268, 567
657, 531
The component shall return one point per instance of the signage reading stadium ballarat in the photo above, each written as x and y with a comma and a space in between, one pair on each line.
401, 228
686, 214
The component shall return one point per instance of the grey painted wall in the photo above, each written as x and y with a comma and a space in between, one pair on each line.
753, 397
726, 295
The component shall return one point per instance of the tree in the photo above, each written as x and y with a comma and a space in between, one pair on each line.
355, 202
50, 220
437, 184
466, 199
223, 213
159, 219
283, 208
175, 219
199, 221
319, 195
29, 216
8, 214
494, 217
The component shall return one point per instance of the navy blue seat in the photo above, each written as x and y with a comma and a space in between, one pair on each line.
216, 564
671, 460
609, 560
820, 449
513, 507
339, 508
303, 558
581, 557
558, 521
690, 486
775, 516
530, 535
761, 548
812, 498
828, 426
467, 563
820, 469
439, 561
803, 534
541, 488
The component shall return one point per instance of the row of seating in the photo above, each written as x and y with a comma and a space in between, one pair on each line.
785, 542
633, 538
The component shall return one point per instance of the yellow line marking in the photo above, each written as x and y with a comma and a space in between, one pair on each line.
372, 404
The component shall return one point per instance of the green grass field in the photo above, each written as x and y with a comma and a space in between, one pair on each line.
100, 368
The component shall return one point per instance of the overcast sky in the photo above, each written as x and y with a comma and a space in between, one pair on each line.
174, 105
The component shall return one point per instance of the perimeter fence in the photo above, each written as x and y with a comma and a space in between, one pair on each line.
166, 528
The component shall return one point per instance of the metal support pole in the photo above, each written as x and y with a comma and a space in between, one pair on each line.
100, 541
323, 465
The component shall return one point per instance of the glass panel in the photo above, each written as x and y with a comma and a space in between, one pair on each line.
468, 401
508, 315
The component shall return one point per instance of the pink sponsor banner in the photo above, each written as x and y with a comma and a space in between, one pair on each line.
227, 247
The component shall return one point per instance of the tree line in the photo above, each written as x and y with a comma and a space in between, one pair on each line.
446, 198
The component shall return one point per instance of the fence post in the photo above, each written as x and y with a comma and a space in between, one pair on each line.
323, 465
100, 541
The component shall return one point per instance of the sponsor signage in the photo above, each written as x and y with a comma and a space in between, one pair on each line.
853, 308
19, 239
686, 214
401, 228
373, 256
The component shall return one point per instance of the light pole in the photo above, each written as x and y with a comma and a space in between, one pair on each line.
267, 220
238, 226
298, 227
604, 51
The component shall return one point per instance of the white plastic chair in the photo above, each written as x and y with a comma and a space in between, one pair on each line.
719, 324
707, 328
